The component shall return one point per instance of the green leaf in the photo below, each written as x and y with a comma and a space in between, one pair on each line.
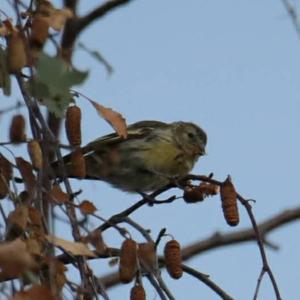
4, 74
53, 81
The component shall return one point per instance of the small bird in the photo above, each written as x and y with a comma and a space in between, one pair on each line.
153, 154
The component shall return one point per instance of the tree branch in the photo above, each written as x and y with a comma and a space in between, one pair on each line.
219, 240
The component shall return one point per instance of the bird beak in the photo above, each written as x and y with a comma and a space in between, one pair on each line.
200, 151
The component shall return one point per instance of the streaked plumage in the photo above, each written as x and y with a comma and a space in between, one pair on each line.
153, 153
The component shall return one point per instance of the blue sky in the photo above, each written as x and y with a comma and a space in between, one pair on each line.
233, 68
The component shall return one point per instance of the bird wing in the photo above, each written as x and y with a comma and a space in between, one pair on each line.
134, 131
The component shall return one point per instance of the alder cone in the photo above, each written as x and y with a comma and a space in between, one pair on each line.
229, 202
193, 195
17, 129
137, 293
16, 52
78, 168
35, 154
173, 259
72, 124
128, 261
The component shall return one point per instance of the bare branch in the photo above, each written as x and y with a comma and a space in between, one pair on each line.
205, 278
219, 240
293, 15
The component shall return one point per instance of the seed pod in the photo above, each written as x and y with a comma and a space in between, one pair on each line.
78, 164
229, 202
17, 129
72, 124
137, 292
128, 261
35, 154
193, 195
16, 52
173, 259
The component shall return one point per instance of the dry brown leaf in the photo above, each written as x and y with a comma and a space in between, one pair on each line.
58, 195
36, 223
115, 119
4, 31
86, 207
7, 27
39, 31
17, 222
5, 168
25, 169
36, 292
14, 258
34, 247
58, 18
5, 176
95, 238
44, 8
75, 248
57, 273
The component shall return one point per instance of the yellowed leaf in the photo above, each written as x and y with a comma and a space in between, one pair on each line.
75, 248
115, 119
87, 207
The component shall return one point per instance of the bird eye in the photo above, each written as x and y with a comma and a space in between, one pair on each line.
191, 135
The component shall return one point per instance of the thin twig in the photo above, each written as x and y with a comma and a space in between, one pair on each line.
293, 15
205, 279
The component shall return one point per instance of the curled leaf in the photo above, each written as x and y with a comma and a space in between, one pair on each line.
115, 119
87, 207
